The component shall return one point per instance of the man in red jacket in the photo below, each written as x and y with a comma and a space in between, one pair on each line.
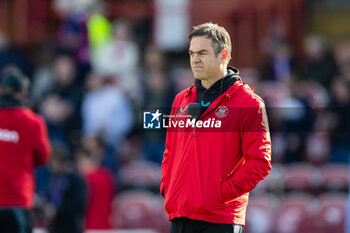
213, 161
24, 144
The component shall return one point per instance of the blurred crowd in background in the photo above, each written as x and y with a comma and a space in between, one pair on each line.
93, 78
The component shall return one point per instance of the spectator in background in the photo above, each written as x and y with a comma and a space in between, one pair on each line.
56, 112
279, 64
342, 56
118, 59
105, 110
297, 121
62, 98
72, 33
158, 94
65, 80
56, 73
320, 63
339, 108
131, 148
43, 74
100, 186
24, 144
67, 193
158, 91
106, 155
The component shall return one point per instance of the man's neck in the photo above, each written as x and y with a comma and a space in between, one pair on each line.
208, 83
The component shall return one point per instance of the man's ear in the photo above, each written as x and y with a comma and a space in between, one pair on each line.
225, 56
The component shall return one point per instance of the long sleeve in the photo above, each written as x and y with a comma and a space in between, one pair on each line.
256, 151
166, 155
165, 163
42, 146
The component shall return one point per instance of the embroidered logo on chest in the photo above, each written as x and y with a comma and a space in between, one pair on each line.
221, 111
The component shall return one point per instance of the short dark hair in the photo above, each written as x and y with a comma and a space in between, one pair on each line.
219, 36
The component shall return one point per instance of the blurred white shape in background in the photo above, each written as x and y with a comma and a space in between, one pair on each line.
171, 24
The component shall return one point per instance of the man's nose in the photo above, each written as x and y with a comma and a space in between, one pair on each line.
195, 59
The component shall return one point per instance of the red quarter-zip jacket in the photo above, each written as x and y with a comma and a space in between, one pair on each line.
207, 173
24, 144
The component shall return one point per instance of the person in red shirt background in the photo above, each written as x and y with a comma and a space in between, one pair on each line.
207, 174
100, 186
24, 145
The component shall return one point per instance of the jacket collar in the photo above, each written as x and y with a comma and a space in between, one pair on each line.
232, 73
236, 87
221, 84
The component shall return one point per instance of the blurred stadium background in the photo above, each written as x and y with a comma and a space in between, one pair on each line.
95, 64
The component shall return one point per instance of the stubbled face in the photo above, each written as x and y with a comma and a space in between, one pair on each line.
205, 64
